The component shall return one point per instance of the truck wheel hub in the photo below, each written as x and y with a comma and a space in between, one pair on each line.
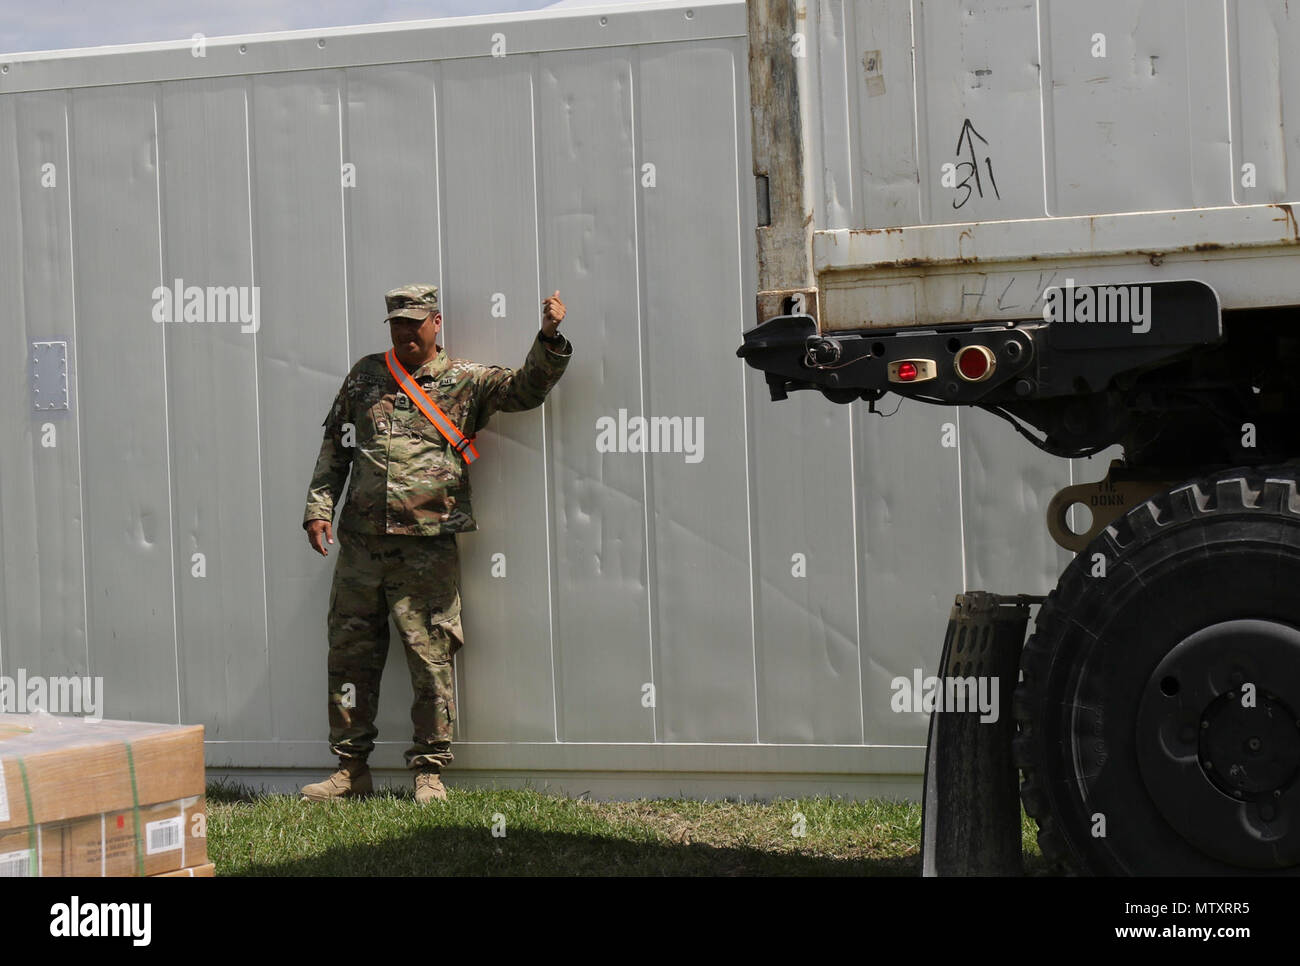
1248, 752
1218, 741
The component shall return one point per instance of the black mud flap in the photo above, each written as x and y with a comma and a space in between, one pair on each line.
971, 803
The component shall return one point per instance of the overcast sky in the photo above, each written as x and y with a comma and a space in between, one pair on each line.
29, 25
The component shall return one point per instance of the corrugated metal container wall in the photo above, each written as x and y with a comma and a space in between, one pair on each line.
769, 591
970, 154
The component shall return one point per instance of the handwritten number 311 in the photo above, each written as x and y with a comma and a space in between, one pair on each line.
967, 137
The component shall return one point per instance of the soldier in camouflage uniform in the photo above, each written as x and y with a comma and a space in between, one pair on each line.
409, 496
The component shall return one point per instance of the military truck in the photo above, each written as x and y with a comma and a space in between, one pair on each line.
1077, 217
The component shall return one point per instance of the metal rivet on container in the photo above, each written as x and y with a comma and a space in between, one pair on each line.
243, 48
604, 21
4, 69
321, 42
690, 14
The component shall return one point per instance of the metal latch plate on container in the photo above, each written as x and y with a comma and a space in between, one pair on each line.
49, 376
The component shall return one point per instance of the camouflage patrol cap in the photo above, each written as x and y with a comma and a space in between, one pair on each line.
411, 302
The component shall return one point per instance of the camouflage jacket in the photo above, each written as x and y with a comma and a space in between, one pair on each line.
405, 478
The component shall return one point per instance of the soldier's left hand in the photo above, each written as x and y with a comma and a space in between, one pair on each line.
552, 313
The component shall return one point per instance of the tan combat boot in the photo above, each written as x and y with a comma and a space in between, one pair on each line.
428, 786
352, 780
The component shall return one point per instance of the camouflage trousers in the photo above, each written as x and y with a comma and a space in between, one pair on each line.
416, 580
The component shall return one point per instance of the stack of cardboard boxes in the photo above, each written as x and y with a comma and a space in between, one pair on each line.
106, 798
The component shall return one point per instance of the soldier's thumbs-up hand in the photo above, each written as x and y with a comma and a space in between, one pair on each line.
552, 313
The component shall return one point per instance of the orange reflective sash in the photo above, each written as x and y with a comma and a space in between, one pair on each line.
460, 443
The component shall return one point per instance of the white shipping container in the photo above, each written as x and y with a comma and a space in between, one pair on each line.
620, 635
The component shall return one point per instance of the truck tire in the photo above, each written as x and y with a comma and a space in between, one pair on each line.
1159, 707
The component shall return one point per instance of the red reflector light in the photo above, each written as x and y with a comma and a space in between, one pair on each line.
974, 363
906, 371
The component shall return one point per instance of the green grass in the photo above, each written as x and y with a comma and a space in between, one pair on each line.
388, 834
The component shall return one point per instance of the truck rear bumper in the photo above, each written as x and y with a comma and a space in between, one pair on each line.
1065, 351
